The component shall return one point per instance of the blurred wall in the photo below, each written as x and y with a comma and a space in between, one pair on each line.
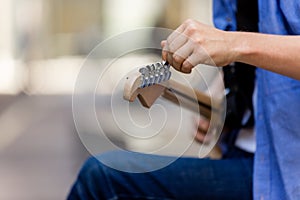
39, 30
43, 44
72, 27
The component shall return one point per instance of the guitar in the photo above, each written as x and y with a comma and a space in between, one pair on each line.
153, 81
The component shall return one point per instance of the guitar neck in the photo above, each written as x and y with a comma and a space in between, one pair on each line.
174, 91
189, 98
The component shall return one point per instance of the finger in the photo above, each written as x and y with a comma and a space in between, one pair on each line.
164, 53
203, 124
203, 138
186, 67
170, 59
178, 42
200, 136
174, 46
182, 54
177, 32
167, 55
171, 51
191, 62
163, 43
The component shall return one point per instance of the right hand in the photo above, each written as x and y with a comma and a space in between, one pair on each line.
194, 43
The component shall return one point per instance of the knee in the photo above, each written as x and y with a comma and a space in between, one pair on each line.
90, 169
83, 187
96, 166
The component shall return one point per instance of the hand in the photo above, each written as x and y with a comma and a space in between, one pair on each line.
201, 135
194, 43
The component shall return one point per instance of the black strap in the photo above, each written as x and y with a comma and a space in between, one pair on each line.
239, 77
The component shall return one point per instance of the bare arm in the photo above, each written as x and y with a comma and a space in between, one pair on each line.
280, 54
195, 43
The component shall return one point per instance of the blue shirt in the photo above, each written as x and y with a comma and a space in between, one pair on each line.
277, 113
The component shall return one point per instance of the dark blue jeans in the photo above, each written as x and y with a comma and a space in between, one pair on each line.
186, 178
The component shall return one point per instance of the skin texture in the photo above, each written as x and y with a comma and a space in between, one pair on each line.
194, 43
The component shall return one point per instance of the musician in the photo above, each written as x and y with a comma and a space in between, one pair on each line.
275, 51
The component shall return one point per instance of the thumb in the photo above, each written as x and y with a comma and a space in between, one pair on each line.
163, 43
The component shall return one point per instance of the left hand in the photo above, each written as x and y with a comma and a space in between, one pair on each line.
194, 43
202, 128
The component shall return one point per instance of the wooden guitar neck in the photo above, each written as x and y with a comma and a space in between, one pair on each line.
174, 91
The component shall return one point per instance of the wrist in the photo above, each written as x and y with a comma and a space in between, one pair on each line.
240, 47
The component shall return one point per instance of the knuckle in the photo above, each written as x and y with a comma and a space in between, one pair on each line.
199, 40
191, 29
186, 67
177, 58
189, 21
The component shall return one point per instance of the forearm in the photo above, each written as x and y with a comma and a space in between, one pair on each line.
275, 53
195, 43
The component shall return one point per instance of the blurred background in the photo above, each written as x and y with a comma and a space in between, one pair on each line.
43, 44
